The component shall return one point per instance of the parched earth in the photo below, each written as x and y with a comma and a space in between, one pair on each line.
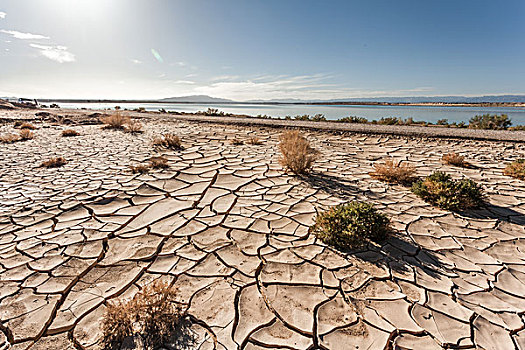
228, 228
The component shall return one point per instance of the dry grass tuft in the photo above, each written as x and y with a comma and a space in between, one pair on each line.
116, 121
254, 140
394, 172
154, 314
171, 141
296, 153
27, 126
158, 163
70, 133
54, 162
139, 169
9, 138
516, 169
454, 159
26, 134
134, 127
237, 142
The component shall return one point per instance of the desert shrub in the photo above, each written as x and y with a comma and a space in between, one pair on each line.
490, 121
318, 118
237, 142
27, 126
394, 172
26, 134
133, 127
353, 119
158, 163
171, 141
254, 140
441, 190
54, 162
442, 122
351, 225
518, 128
139, 169
70, 133
296, 153
389, 121
115, 121
9, 138
454, 159
516, 169
154, 314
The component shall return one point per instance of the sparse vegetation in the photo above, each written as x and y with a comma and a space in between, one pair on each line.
307, 117
517, 128
9, 138
54, 162
154, 314
454, 159
296, 153
353, 119
133, 127
115, 121
27, 126
351, 225
158, 162
70, 133
26, 134
254, 140
516, 169
441, 190
394, 172
490, 121
170, 141
139, 169
237, 142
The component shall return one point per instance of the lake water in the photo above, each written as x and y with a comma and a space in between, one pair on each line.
418, 113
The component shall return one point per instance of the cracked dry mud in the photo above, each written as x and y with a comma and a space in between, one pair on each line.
227, 227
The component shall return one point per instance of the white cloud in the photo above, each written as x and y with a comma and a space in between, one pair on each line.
307, 87
2, 15
24, 36
55, 53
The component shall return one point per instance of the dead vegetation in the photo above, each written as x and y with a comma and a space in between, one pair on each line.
116, 121
23, 135
70, 133
9, 138
170, 141
54, 162
296, 153
26, 134
134, 127
454, 159
255, 141
27, 126
394, 172
154, 315
158, 162
237, 142
139, 169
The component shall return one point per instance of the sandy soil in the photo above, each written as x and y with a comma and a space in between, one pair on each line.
229, 228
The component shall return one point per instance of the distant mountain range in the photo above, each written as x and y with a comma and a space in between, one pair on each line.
196, 99
407, 99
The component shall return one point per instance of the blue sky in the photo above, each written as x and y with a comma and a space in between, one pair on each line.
261, 49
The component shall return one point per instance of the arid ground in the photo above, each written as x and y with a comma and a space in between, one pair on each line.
229, 228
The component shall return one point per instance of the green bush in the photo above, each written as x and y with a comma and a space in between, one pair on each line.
441, 190
351, 225
490, 121
516, 169
353, 119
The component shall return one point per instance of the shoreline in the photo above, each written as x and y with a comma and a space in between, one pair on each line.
327, 126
